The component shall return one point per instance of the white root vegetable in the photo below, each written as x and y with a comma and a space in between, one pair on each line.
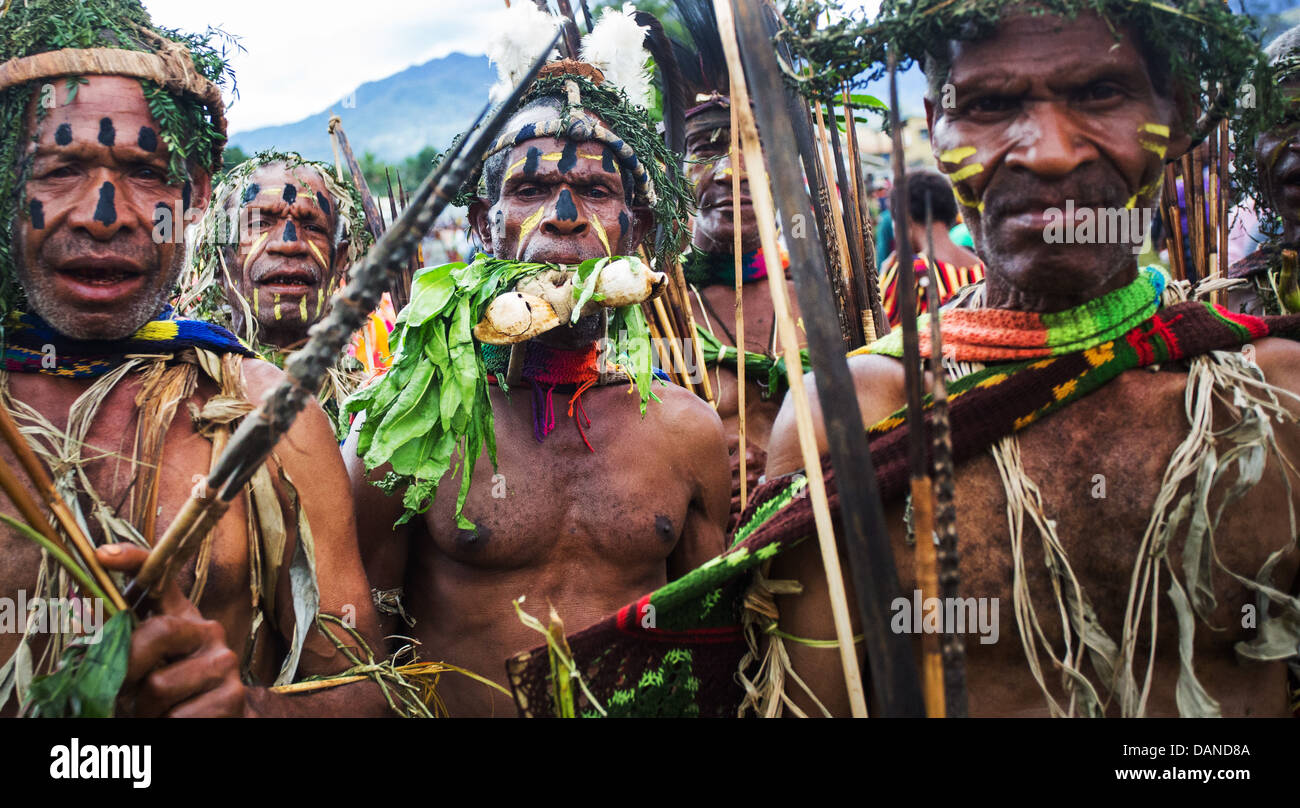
515, 317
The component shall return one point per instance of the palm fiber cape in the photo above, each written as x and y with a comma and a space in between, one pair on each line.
675, 651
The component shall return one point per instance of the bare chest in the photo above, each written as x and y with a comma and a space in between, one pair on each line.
621, 502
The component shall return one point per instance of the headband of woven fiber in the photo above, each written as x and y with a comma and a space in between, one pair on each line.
43, 41
603, 113
580, 127
202, 294
1207, 46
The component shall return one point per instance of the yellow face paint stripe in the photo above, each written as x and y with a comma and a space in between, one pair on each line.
600, 234
1158, 149
530, 223
957, 155
302, 308
316, 252
1155, 129
320, 301
275, 305
966, 172
256, 246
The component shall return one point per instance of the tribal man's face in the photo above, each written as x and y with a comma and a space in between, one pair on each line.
562, 202
709, 170
1050, 111
287, 266
86, 250
1277, 156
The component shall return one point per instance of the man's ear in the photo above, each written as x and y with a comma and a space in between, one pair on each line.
932, 112
340, 267
200, 189
1180, 128
643, 218
481, 223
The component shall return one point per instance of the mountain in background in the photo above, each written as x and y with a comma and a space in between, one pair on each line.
395, 117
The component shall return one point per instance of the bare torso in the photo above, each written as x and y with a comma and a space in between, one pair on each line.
1126, 433
760, 411
186, 458
584, 532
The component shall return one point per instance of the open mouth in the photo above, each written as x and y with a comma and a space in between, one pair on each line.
102, 280
288, 281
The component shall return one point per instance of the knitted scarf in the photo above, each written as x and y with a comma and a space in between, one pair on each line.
31, 345
719, 269
696, 642
546, 369
999, 335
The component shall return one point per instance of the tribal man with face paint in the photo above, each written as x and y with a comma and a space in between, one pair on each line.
273, 247
126, 404
709, 264
1099, 397
582, 517
1271, 271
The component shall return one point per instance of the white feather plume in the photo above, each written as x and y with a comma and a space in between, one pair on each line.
616, 45
522, 31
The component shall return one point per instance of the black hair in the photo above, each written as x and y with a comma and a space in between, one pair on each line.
942, 204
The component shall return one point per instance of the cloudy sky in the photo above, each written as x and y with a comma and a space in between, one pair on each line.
301, 56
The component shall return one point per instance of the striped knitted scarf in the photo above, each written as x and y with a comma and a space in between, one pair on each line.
31, 345
1000, 335
696, 638
719, 269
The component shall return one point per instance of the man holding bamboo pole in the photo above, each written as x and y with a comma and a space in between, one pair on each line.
115, 409
724, 234
1114, 415
593, 495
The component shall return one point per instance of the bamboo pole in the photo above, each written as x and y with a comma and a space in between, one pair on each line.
674, 346
736, 219
765, 211
684, 302
836, 212
44, 485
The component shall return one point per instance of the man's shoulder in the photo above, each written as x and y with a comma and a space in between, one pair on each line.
1279, 359
683, 406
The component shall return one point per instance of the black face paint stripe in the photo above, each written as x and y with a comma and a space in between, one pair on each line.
38, 214
63, 135
107, 134
253, 190
290, 233
290, 193
568, 158
187, 191
530, 162
106, 211
148, 139
607, 162
565, 210
324, 202
623, 225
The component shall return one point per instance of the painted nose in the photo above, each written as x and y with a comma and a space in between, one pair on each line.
101, 212
289, 242
565, 219
1050, 145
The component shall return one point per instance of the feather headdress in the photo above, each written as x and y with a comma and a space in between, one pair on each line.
522, 30
616, 47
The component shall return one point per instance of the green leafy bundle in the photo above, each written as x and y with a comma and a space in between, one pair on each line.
432, 405
89, 675
37, 26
